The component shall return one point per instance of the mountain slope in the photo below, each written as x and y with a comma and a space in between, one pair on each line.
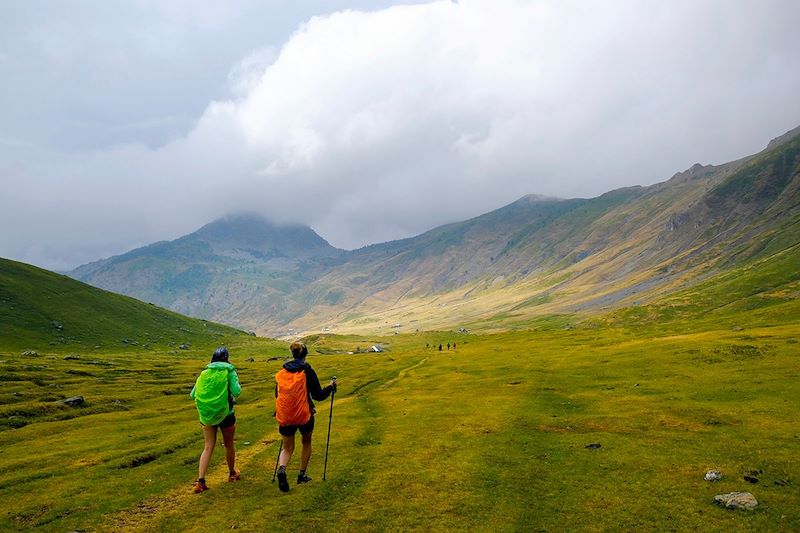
227, 270
620, 249
39, 308
537, 256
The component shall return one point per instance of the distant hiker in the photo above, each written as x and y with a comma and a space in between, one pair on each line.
427, 345
448, 345
440, 347
454, 346
213, 395
296, 385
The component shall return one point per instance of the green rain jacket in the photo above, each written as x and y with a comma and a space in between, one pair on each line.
214, 391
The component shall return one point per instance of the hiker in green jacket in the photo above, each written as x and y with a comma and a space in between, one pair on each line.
214, 394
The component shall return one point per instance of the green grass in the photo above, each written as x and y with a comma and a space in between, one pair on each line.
764, 293
42, 310
491, 436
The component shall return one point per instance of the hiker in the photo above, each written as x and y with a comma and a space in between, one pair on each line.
440, 347
454, 346
213, 395
448, 345
296, 385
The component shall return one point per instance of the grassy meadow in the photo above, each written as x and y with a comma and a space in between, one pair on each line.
490, 436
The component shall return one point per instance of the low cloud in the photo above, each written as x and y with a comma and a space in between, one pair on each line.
372, 126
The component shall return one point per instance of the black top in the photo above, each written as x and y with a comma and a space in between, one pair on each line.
315, 390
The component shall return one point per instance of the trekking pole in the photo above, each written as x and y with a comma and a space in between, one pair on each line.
277, 459
330, 419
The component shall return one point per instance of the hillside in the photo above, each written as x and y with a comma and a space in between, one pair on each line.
42, 310
539, 257
226, 271
535, 257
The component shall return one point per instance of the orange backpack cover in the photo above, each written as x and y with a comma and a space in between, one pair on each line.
291, 405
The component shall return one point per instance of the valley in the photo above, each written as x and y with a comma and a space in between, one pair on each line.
536, 257
586, 429
600, 357
562, 422
542, 257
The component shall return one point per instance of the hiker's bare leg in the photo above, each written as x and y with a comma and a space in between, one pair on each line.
305, 454
288, 450
210, 440
230, 451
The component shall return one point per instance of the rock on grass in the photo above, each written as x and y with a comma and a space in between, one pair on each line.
75, 401
737, 500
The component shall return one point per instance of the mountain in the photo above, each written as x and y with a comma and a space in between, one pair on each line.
539, 257
228, 270
39, 308
535, 257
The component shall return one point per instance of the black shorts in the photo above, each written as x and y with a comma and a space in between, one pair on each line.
305, 429
227, 422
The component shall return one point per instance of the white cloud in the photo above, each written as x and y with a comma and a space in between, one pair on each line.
434, 111
245, 76
377, 125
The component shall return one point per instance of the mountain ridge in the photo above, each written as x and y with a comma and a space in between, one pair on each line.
536, 255
205, 273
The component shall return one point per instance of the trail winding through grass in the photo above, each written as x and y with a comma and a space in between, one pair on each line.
149, 513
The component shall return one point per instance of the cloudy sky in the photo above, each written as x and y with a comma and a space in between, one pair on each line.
124, 123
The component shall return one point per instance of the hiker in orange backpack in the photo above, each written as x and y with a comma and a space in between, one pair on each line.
296, 385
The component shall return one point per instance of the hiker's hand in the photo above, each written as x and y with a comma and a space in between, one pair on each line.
333, 385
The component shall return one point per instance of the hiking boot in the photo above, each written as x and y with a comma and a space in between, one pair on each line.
283, 483
236, 476
303, 478
200, 486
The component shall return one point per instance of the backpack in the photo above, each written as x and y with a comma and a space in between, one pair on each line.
291, 405
211, 396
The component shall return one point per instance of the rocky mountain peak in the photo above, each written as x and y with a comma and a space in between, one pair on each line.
788, 136
252, 232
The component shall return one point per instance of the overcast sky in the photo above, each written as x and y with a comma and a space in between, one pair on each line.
124, 123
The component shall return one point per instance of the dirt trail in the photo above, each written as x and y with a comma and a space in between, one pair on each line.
146, 515
403, 372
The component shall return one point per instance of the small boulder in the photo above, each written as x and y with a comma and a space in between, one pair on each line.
30, 353
75, 401
781, 482
72, 357
250, 360
593, 446
184, 346
713, 475
751, 479
736, 500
